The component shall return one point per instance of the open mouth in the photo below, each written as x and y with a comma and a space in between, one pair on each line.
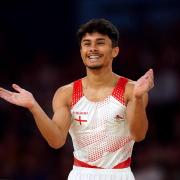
94, 58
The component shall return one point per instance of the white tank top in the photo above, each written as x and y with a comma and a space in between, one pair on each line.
99, 130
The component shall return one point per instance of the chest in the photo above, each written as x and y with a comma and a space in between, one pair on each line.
97, 95
107, 114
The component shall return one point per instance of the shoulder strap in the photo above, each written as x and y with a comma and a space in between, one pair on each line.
77, 92
119, 90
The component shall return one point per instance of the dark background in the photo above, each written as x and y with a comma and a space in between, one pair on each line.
39, 51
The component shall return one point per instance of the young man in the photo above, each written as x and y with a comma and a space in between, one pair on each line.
104, 112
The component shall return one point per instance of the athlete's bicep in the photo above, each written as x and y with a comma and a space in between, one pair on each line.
62, 118
61, 108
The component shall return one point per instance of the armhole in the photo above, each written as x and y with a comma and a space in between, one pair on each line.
77, 92
119, 90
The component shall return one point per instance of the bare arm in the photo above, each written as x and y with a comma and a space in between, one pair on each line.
54, 131
137, 100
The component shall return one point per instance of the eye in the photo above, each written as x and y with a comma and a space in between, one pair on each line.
86, 44
101, 43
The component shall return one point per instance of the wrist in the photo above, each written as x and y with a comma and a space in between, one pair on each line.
139, 101
33, 106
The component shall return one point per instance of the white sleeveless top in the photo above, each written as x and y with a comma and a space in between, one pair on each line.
99, 130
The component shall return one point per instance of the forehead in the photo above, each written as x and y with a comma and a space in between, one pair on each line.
94, 36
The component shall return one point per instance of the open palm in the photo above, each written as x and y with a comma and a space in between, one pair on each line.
144, 84
21, 97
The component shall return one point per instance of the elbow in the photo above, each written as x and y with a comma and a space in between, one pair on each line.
139, 134
56, 144
138, 137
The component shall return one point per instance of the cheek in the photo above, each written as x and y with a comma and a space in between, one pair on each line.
83, 51
109, 54
82, 54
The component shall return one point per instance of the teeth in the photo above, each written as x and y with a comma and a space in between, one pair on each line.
93, 57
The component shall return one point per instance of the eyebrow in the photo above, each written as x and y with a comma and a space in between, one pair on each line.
98, 39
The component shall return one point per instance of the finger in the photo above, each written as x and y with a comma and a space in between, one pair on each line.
6, 95
16, 87
9, 98
150, 72
151, 83
149, 75
146, 81
4, 91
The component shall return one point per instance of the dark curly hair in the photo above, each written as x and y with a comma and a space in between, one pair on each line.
101, 26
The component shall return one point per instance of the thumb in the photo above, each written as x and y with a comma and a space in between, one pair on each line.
16, 87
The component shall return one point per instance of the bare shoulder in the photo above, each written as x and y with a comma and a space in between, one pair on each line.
64, 90
63, 96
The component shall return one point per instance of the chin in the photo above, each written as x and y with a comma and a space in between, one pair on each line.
94, 67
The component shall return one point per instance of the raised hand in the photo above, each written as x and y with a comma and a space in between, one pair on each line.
144, 84
21, 97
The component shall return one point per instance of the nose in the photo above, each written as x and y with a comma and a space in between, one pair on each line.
93, 48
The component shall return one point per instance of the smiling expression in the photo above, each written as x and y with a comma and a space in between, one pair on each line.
97, 51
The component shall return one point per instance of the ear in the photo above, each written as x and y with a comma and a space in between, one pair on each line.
115, 51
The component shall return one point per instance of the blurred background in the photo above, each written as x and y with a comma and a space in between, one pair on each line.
39, 51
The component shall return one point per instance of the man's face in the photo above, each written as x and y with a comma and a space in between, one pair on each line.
97, 51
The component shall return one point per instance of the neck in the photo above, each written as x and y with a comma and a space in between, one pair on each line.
99, 78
